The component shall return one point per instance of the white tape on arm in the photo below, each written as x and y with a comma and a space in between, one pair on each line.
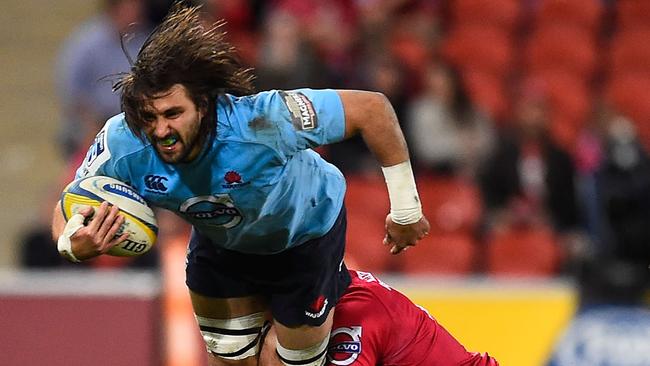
405, 206
64, 245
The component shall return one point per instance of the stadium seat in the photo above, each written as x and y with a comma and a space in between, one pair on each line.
570, 104
442, 253
367, 206
479, 48
488, 93
562, 48
631, 14
523, 251
628, 93
502, 14
585, 14
630, 52
452, 205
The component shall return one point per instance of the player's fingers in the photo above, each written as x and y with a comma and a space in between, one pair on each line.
117, 240
109, 221
387, 240
115, 228
87, 211
98, 219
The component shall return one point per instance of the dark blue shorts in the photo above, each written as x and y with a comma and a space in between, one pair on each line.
301, 283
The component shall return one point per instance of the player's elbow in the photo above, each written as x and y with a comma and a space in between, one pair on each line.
366, 110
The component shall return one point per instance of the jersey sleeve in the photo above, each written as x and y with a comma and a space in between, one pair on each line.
304, 118
105, 151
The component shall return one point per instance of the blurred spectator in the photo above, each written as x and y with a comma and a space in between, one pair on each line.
380, 73
529, 180
619, 272
89, 57
329, 27
286, 59
445, 133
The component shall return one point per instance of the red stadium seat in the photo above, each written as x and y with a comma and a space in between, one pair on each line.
479, 48
570, 104
448, 254
523, 251
562, 48
629, 94
585, 14
631, 14
488, 92
367, 206
503, 14
630, 52
452, 205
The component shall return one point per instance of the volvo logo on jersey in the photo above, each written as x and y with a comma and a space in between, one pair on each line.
155, 183
345, 345
233, 180
217, 210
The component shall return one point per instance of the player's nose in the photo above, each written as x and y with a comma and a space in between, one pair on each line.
161, 128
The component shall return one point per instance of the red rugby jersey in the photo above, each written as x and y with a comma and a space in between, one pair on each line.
377, 325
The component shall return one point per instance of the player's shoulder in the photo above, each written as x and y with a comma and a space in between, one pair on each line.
366, 291
112, 143
119, 137
255, 118
368, 281
259, 110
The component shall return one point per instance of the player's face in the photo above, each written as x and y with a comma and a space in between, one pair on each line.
172, 125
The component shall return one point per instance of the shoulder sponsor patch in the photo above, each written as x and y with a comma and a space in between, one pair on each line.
97, 154
303, 115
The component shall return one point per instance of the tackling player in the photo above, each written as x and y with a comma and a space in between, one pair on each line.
377, 325
267, 211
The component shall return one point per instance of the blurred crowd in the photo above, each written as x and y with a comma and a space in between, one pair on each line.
527, 120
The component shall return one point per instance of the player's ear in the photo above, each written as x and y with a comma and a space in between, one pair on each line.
203, 105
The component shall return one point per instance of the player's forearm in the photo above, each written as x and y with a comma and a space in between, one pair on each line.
58, 222
372, 116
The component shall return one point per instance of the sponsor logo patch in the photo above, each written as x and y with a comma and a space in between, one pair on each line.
97, 154
123, 191
317, 308
218, 210
233, 180
369, 277
303, 115
155, 183
345, 345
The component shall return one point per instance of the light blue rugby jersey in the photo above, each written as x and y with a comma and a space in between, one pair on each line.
258, 187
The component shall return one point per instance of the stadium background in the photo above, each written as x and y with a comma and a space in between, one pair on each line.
511, 298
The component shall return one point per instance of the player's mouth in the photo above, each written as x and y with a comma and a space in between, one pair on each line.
168, 143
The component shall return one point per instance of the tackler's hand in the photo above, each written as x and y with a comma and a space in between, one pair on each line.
400, 237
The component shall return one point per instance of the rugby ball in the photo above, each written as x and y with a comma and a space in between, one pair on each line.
139, 219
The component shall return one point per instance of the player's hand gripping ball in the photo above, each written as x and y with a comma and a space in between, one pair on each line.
139, 220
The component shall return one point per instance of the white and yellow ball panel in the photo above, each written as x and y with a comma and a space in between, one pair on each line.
139, 222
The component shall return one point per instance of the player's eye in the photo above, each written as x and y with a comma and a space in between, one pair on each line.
149, 118
173, 114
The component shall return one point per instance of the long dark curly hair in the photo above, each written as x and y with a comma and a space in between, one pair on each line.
183, 50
